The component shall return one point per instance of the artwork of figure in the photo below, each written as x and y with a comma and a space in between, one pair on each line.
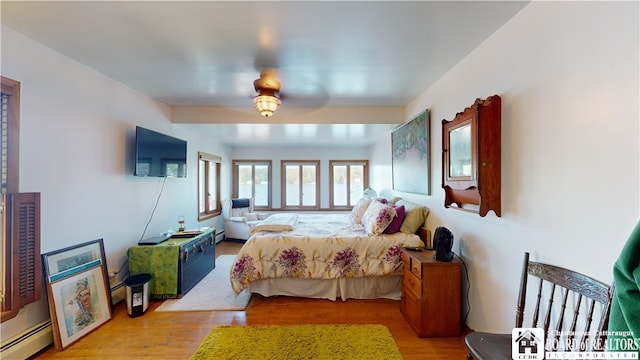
79, 308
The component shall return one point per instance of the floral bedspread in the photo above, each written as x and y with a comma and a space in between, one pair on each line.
321, 246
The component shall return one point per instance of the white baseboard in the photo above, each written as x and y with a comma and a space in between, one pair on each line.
219, 236
27, 343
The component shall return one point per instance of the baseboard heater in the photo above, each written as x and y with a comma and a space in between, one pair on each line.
118, 293
219, 236
28, 343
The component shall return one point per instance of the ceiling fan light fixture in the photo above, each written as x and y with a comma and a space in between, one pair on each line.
266, 104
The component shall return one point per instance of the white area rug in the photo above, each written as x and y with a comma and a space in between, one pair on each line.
211, 293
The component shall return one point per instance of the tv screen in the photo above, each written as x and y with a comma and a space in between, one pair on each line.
159, 155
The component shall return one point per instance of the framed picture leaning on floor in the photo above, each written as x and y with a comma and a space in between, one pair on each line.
77, 291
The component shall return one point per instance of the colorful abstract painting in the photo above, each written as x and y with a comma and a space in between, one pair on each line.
410, 156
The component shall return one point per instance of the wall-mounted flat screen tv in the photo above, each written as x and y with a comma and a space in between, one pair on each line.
159, 154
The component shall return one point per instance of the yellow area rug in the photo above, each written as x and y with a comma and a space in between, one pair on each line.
267, 342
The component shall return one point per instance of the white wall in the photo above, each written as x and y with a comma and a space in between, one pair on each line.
568, 76
77, 132
278, 153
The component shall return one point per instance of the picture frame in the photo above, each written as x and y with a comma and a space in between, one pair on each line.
65, 271
61, 263
410, 155
78, 304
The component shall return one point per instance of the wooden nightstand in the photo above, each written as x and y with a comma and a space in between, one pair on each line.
431, 294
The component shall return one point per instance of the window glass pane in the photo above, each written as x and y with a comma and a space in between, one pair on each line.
292, 185
308, 185
340, 185
261, 185
201, 192
245, 181
252, 179
356, 178
208, 185
211, 186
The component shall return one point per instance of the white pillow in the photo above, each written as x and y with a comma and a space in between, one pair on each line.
359, 209
251, 216
377, 217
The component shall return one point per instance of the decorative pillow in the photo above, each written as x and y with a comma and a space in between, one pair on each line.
241, 212
251, 216
415, 216
359, 209
395, 224
413, 219
377, 217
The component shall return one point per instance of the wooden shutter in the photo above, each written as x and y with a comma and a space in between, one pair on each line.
24, 247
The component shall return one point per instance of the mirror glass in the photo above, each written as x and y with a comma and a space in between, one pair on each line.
460, 151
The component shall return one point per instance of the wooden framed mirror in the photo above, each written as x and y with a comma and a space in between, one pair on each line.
471, 158
460, 144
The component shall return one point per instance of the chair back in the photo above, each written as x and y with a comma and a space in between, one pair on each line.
236, 207
572, 308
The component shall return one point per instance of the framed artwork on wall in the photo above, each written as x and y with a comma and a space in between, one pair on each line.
410, 156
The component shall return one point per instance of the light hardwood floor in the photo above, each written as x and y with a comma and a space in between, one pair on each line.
177, 335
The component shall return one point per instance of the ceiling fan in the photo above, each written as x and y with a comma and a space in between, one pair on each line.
267, 87
304, 88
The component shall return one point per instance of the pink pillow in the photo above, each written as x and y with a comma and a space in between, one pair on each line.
396, 223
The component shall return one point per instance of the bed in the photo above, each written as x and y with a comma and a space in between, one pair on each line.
329, 255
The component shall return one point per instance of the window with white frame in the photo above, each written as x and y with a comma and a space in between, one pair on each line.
347, 181
300, 184
252, 178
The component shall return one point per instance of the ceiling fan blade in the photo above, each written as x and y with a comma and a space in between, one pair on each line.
312, 100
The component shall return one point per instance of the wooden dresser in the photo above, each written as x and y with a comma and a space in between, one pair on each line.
431, 294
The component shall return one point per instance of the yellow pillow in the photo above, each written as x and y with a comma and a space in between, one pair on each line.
414, 219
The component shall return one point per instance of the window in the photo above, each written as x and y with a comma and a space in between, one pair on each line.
348, 179
252, 178
10, 135
20, 266
208, 186
300, 184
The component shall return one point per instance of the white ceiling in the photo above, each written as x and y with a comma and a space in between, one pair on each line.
207, 53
